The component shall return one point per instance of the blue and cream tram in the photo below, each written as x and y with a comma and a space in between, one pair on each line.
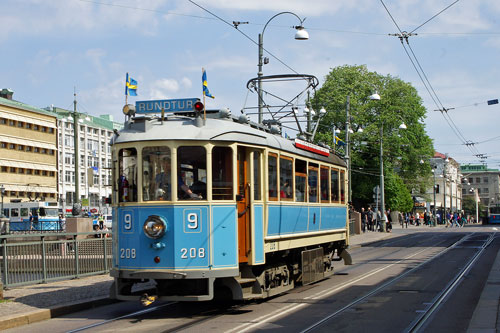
220, 206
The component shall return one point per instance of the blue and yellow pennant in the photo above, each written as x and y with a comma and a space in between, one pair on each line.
130, 86
205, 85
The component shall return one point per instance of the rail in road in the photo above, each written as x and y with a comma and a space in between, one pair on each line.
396, 285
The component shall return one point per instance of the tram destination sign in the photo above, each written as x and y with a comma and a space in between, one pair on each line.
311, 147
168, 105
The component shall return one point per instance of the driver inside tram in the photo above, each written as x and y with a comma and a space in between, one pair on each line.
162, 181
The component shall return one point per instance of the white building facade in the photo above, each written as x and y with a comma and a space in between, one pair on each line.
447, 185
94, 159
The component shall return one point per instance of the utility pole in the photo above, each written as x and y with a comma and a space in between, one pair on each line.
77, 153
348, 147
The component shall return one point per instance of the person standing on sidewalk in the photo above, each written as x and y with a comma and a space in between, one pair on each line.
369, 216
364, 219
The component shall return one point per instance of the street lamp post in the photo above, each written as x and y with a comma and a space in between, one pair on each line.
382, 192
2, 191
301, 34
434, 193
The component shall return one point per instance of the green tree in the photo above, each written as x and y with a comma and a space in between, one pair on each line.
403, 149
469, 206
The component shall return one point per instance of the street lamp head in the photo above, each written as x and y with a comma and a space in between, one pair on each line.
374, 97
402, 126
322, 111
301, 33
360, 130
337, 131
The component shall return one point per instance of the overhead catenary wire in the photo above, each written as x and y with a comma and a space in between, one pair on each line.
426, 82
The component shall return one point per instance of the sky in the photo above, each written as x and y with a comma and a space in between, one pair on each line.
51, 48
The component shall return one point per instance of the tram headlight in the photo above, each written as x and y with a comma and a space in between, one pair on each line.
154, 227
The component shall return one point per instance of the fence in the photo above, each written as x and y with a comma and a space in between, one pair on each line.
31, 259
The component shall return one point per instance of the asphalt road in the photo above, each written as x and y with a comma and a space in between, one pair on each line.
390, 286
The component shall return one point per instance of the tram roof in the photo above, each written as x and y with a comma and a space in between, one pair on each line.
215, 129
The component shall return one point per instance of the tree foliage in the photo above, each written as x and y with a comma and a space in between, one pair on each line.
402, 149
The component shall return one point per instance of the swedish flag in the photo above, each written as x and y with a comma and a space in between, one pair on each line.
339, 141
205, 85
130, 86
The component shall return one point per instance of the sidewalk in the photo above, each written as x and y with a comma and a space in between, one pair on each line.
30, 304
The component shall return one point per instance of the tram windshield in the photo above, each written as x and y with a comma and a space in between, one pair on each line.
191, 173
156, 174
127, 181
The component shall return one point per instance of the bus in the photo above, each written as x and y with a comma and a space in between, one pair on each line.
494, 214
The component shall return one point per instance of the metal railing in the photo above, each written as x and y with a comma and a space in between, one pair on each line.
32, 259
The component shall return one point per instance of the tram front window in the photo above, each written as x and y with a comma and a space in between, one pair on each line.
191, 173
156, 174
127, 181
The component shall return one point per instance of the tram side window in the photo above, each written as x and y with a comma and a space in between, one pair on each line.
14, 212
300, 180
191, 173
312, 180
286, 178
256, 175
342, 186
156, 174
6, 212
324, 184
335, 185
222, 173
127, 182
273, 176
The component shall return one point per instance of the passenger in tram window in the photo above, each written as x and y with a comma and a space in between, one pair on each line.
286, 190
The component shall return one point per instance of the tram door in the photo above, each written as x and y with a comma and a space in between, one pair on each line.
243, 200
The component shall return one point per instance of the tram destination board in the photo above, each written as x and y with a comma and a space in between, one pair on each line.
168, 105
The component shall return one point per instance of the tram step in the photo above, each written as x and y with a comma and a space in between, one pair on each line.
245, 280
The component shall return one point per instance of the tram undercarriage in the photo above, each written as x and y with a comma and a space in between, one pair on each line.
283, 271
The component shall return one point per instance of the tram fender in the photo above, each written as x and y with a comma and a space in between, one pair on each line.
346, 256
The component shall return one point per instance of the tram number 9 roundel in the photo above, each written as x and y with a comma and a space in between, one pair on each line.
193, 235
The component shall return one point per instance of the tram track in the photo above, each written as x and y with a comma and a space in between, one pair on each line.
210, 313
424, 317
425, 314
325, 293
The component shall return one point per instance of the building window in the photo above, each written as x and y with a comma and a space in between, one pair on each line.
28, 126
485, 179
12, 146
4, 145
29, 171
20, 147
36, 127
486, 190
5, 169
20, 124
3, 121
36, 150
20, 170
12, 123
478, 180
28, 148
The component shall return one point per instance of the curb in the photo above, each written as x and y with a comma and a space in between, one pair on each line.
34, 316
